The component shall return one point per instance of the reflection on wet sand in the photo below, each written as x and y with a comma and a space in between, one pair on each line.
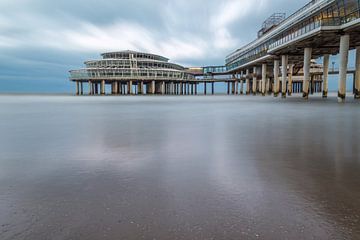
178, 168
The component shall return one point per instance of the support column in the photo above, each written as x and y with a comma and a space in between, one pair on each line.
263, 80
212, 88
228, 88
195, 88
247, 81
90, 88
112, 88
344, 57
115, 88
102, 86
284, 65
290, 84
163, 88
181, 89
204, 88
77, 88
130, 88
121, 88
357, 74
81, 88
276, 78
307, 63
326, 75
242, 83
254, 80
94, 89
139, 88
171, 88
153, 87
236, 87
233, 84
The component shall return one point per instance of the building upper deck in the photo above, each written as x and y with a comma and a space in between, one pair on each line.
318, 15
133, 54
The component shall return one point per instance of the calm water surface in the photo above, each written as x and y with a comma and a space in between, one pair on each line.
178, 168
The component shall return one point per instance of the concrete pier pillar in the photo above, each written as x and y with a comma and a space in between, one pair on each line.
357, 74
116, 90
153, 87
236, 87
254, 86
81, 88
212, 88
181, 88
242, 82
306, 67
284, 66
77, 88
290, 79
163, 88
121, 90
102, 87
130, 88
344, 57
233, 87
195, 88
90, 88
326, 75
247, 81
138, 88
263, 79
276, 78
172, 88
204, 88
228, 88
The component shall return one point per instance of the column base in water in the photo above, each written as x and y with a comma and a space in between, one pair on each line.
325, 94
276, 94
341, 97
357, 94
283, 94
305, 95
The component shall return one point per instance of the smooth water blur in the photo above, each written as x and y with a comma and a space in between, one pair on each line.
223, 167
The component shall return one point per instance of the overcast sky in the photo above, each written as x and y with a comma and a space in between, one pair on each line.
40, 40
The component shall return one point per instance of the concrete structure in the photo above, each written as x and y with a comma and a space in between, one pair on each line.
130, 72
319, 29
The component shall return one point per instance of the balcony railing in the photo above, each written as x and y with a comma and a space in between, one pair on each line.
126, 74
263, 49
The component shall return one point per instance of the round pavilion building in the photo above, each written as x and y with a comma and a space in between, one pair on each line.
130, 72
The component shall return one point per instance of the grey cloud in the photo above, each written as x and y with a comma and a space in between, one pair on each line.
34, 34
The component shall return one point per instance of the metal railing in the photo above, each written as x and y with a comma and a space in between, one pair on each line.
128, 74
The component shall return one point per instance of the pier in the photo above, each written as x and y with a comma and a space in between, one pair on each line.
319, 29
281, 61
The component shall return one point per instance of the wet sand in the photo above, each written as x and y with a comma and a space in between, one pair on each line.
219, 167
